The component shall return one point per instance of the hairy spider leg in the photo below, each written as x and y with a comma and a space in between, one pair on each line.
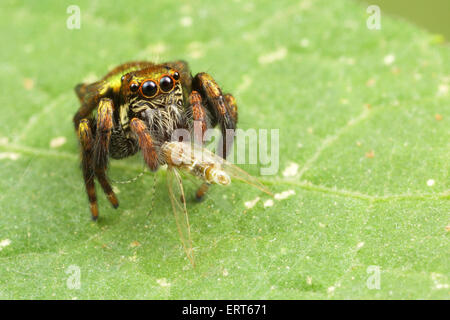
224, 111
199, 116
87, 144
101, 147
94, 151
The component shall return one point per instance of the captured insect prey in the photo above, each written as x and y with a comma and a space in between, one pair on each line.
205, 165
138, 106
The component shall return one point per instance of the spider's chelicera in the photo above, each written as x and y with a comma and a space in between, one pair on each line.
138, 106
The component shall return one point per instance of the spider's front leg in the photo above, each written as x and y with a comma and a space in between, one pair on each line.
94, 150
199, 128
199, 116
223, 108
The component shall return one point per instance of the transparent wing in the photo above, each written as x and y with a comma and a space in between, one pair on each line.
214, 196
178, 201
234, 171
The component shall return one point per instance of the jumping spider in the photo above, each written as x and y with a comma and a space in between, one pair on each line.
137, 106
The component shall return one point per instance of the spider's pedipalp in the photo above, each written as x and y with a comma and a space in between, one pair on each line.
146, 143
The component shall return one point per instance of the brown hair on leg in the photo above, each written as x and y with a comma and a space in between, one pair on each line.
145, 143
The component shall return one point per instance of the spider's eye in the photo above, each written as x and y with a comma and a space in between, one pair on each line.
149, 88
166, 84
134, 86
176, 75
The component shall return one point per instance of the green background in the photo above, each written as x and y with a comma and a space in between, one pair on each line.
364, 114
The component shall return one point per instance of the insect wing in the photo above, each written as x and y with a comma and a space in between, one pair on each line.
178, 201
233, 171
239, 174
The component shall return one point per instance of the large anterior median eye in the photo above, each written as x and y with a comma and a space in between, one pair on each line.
166, 84
149, 89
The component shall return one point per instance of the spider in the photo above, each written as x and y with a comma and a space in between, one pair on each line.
136, 107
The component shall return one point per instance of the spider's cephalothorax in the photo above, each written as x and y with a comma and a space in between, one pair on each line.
137, 106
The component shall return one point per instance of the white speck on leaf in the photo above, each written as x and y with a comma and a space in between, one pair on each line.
442, 90
389, 59
9, 155
57, 142
268, 203
284, 194
196, 50
347, 60
186, 21
360, 245
91, 77
291, 170
163, 282
430, 182
279, 54
156, 49
304, 43
246, 82
4, 243
250, 204
438, 281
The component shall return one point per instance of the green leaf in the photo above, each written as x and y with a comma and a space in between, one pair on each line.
363, 113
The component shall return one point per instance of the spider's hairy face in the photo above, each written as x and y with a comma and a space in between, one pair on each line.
154, 95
